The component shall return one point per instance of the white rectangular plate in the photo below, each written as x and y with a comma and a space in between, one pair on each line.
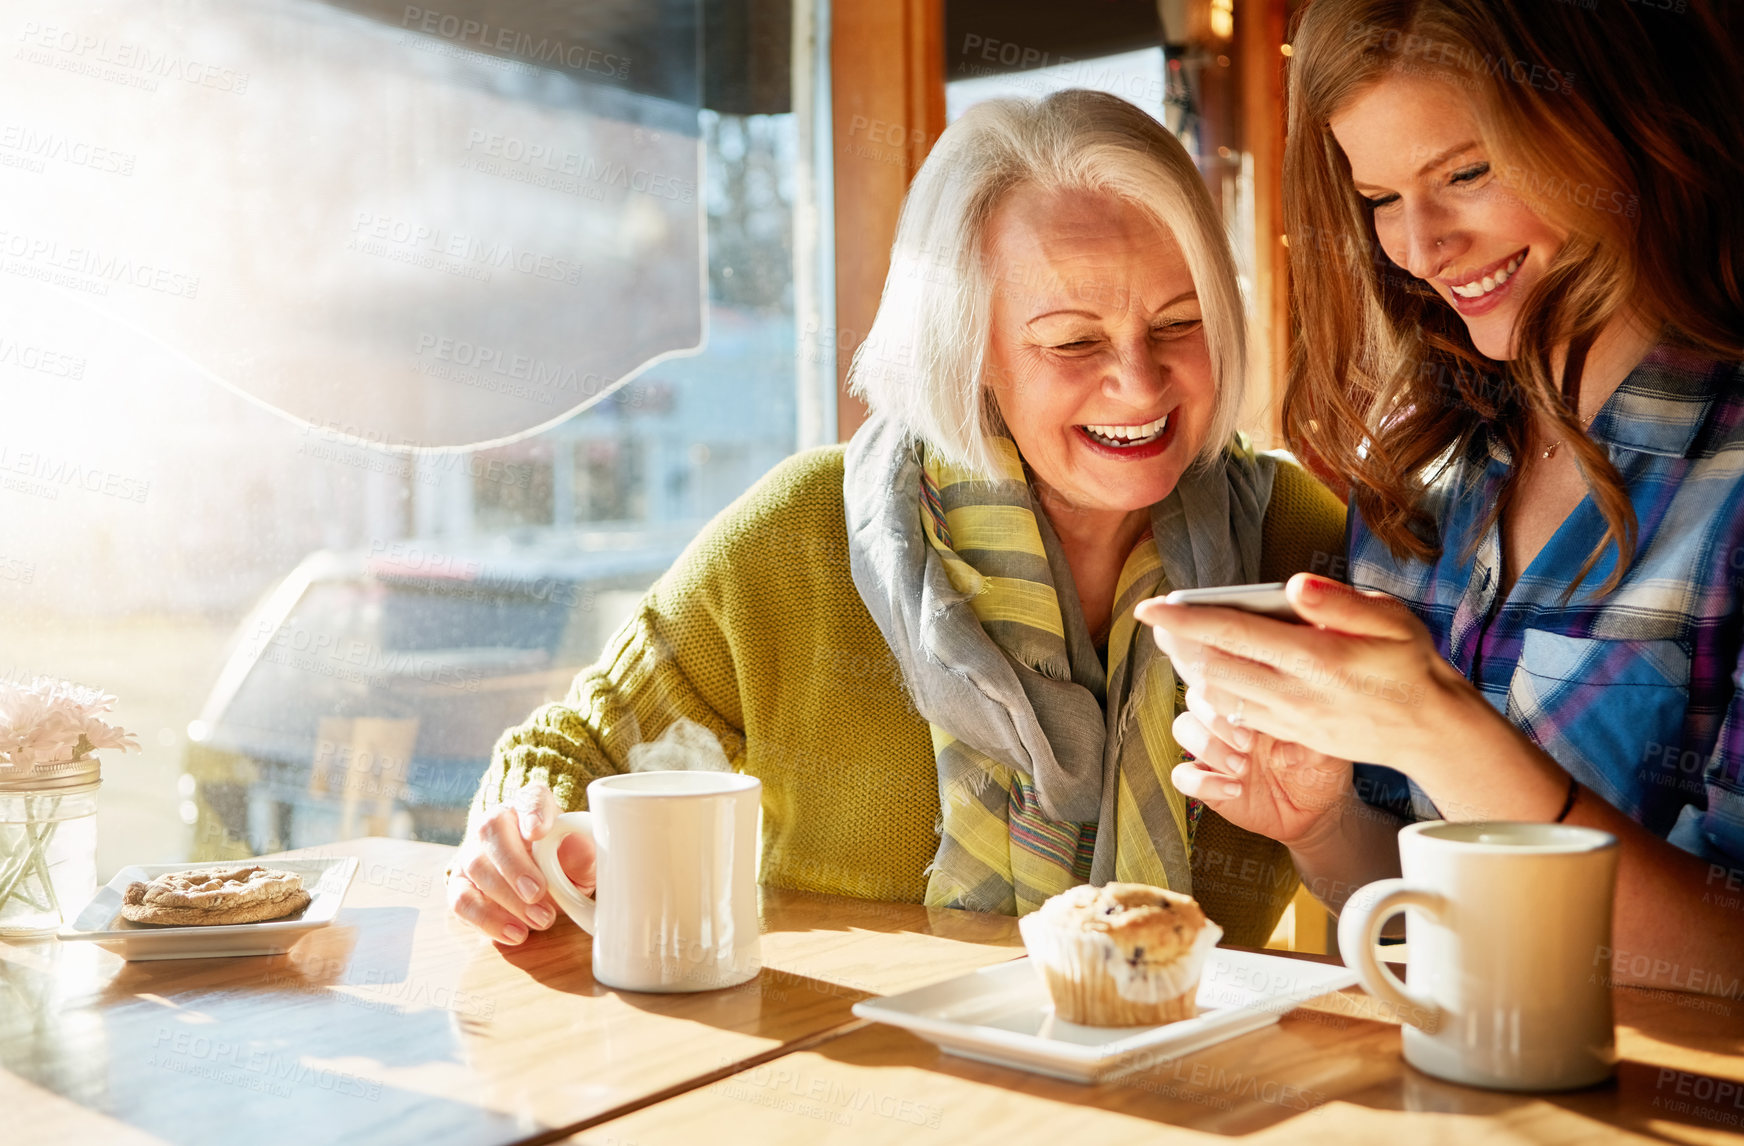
1002, 1015
101, 922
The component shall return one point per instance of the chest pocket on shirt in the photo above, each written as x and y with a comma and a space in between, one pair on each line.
1605, 709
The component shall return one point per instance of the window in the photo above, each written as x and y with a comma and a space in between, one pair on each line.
359, 379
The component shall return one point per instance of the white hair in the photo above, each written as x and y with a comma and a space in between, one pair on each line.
922, 363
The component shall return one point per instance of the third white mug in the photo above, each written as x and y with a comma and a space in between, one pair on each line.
675, 900
1507, 928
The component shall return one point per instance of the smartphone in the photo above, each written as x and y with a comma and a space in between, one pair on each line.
1266, 600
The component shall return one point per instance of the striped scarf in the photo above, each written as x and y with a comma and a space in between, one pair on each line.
998, 852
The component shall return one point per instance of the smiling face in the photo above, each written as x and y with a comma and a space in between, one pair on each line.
1097, 355
1440, 211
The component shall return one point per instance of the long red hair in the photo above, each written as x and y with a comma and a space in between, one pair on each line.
1623, 125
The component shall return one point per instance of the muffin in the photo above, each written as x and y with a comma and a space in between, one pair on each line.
1121, 955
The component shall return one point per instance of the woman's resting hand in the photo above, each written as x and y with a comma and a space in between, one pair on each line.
496, 886
1276, 788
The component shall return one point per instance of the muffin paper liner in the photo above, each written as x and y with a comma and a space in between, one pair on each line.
1090, 981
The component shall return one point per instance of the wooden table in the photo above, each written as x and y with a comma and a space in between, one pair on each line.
400, 1024
1328, 1073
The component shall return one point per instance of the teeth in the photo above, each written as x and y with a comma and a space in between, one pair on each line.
1130, 434
1489, 282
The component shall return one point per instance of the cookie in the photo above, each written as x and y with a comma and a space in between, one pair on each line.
209, 897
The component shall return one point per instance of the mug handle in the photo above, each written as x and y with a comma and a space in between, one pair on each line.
574, 904
1359, 926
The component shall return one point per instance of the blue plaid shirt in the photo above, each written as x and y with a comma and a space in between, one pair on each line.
1637, 694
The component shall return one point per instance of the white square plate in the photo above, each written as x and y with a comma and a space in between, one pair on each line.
101, 921
1002, 1015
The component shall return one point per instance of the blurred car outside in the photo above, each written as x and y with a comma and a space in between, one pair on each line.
363, 694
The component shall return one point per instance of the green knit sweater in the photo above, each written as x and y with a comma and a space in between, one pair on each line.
758, 634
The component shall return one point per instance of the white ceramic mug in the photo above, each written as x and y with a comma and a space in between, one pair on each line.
1506, 929
675, 898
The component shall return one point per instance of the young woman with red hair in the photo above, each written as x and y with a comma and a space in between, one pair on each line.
1517, 251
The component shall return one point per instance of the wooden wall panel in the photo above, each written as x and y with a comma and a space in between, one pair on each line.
888, 98
1259, 30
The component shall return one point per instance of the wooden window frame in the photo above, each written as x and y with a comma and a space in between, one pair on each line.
887, 98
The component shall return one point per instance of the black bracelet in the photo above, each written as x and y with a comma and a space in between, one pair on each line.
1568, 804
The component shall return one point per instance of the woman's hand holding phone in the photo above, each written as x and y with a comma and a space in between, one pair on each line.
1362, 679
1277, 788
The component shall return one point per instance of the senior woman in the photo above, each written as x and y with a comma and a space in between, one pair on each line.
923, 645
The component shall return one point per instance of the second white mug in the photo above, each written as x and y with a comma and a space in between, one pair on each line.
675, 899
1508, 933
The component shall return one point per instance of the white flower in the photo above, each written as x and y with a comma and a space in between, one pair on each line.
100, 735
51, 721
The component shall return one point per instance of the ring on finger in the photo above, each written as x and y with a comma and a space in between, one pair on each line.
1239, 716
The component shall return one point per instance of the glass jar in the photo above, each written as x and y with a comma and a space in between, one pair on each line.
48, 845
